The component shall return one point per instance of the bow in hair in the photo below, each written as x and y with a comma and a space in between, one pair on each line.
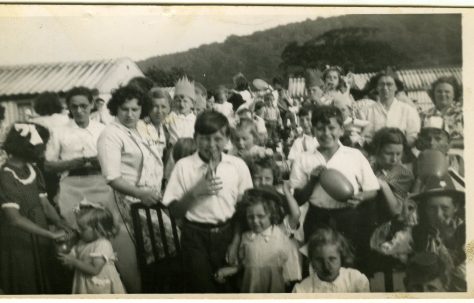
86, 204
25, 129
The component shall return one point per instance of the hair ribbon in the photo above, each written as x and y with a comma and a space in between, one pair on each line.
25, 129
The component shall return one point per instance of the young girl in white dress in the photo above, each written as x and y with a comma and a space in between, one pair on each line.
266, 248
93, 257
329, 252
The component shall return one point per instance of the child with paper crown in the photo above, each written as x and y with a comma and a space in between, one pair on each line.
181, 120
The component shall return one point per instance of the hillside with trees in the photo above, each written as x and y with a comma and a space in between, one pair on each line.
363, 43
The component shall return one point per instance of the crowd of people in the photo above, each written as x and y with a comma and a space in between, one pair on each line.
271, 193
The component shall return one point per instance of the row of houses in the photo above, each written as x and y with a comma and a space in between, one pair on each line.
20, 84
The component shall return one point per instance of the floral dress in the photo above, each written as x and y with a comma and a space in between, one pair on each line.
107, 281
451, 120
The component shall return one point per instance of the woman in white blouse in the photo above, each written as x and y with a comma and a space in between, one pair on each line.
133, 169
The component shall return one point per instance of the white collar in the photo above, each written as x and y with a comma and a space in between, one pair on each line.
198, 162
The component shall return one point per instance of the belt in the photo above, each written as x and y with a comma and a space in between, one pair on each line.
208, 227
84, 171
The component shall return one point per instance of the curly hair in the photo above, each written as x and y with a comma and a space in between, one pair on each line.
100, 220
17, 145
328, 236
341, 85
268, 198
79, 91
323, 114
126, 93
448, 80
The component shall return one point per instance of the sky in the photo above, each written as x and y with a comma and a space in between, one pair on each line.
36, 34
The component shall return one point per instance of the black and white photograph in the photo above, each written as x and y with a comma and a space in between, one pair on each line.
215, 150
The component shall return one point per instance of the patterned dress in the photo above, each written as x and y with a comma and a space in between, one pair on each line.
450, 119
25, 259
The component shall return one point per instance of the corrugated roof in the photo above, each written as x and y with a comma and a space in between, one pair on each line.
55, 77
415, 79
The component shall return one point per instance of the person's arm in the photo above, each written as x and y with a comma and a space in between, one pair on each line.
93, 267
15, 219
148, 197
294, 209
64, 165
205, 186
52, 215
303, 194
394, 206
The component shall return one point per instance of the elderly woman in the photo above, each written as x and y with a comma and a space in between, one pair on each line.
388, 111
441, 227
447, 112
153, 128
134, 169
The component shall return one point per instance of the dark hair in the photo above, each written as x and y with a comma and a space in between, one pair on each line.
47, 103
183, 148
258, 105
449, 80
323, 114
400, 85
270, 200
266, 163
373, 82
241, 83
420, 142
79, 91
341, 85
328, 236
208, 122
142, 83
387, 135
125, 93
20, 146
304, 111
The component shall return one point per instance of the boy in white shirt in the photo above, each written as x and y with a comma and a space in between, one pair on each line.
307, 142
324, 210
204, 189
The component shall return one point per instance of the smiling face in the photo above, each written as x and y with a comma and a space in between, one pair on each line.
326, 262
80, 108
258, 218
244, 139
129, 113
443, 95
211, 146
328, 134
183, 104
161, 109
263, 177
